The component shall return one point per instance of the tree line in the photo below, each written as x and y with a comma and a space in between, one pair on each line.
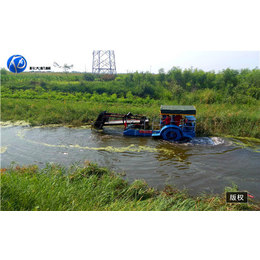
228, 85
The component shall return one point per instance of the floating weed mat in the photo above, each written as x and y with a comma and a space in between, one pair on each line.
93, 188
247, 143
14, 123
3, 149
131, 148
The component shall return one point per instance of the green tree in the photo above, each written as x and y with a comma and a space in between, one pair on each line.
210, 79
230, 76
137, 78
175, 74
3, 71
161, 76
88, 77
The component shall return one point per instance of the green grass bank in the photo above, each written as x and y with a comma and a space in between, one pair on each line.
93, 188
212, 119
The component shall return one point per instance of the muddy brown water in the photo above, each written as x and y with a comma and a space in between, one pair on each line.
203, 165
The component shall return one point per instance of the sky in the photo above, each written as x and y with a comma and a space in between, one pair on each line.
145, 35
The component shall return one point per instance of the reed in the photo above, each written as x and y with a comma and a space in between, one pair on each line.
93, 188
42, 112
212, 119
227, 119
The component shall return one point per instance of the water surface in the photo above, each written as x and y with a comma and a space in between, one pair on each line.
205, 164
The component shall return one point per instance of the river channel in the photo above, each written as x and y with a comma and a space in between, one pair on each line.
203, 165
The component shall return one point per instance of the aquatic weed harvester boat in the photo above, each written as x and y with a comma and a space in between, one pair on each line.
176, 123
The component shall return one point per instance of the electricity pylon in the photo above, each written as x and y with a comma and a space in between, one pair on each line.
104, 62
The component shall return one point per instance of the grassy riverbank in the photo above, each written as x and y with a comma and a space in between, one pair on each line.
212, 119
228, 102
93, 188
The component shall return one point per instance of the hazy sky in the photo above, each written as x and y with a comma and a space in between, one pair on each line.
145, 35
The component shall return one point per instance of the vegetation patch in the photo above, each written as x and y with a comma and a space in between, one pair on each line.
212, 120
94, 188
227, 102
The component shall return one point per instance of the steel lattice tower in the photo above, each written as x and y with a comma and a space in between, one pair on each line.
104, 62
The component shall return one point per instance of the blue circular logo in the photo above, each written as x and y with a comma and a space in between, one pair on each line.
16, 63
